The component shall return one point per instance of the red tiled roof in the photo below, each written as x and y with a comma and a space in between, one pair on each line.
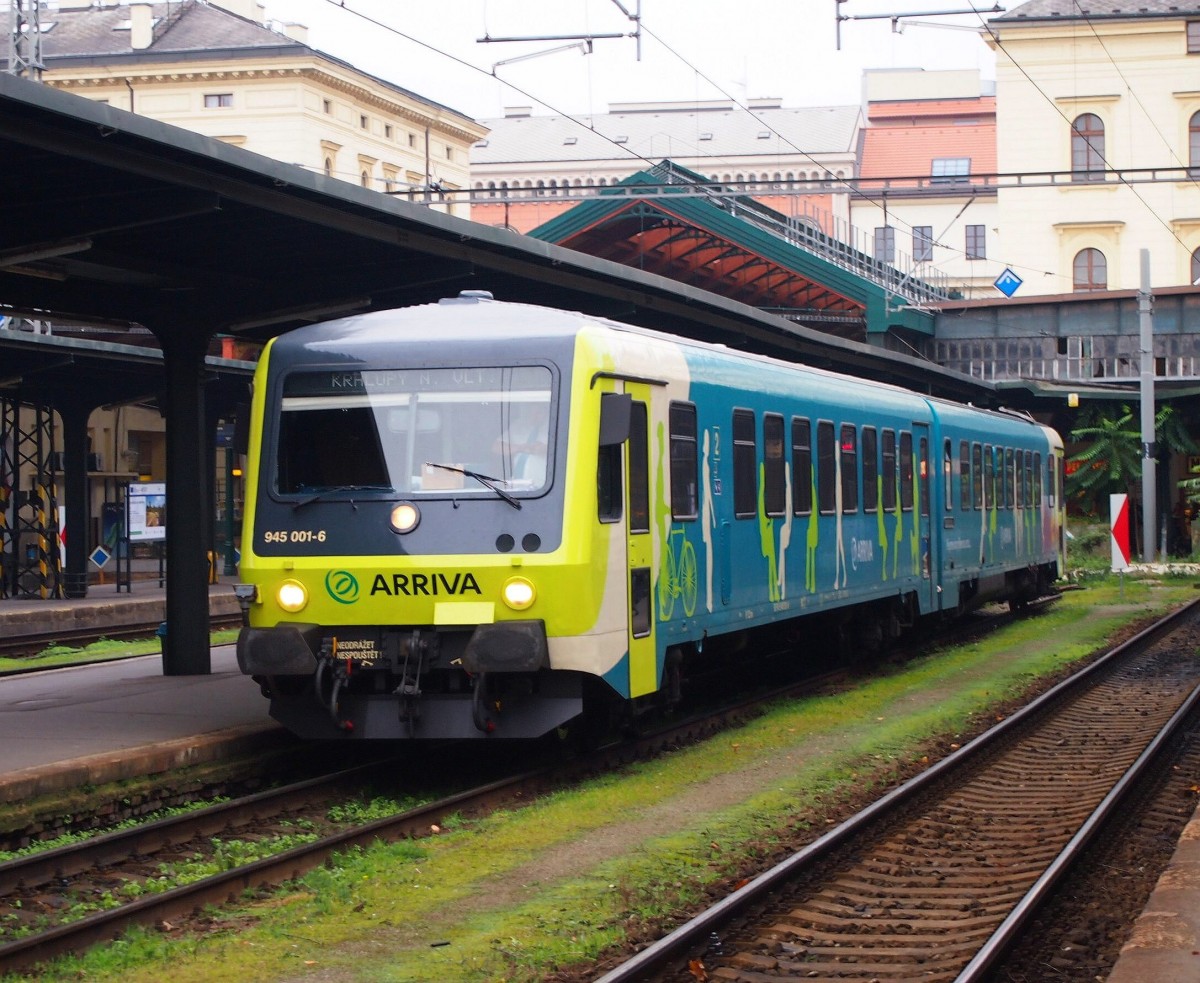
910, 150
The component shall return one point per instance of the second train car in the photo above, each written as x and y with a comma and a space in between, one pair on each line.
476, 519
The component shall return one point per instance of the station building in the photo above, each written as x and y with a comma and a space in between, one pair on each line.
215, 67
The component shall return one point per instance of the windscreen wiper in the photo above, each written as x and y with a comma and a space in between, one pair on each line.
318, 496
484, 479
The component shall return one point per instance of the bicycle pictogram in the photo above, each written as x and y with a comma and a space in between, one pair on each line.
677, 577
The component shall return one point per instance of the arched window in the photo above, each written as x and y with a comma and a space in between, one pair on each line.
1194, 145
1089, 271
365, 179
1087, 148
329, 167
1196, 267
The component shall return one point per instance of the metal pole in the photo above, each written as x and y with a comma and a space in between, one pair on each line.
1149, 451
230, 568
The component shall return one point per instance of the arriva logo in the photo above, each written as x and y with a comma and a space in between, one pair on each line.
342, 586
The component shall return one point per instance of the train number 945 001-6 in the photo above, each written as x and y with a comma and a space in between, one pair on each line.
294, 536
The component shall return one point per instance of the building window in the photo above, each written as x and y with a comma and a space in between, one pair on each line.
449, 153
412, 139
976, 242
1089, 271
922, 243
327, 107
329, 167
363, 122
1196, 267
1087, 148
950, 170
1193, 37
387, 131
885, 243
364, 179
218, 100
1194, 145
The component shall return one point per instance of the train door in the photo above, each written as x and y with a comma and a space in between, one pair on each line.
643, 665
923, 507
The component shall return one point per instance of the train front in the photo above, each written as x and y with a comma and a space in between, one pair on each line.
405, 487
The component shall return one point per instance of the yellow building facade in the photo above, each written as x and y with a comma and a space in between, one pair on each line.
217, 69
1098, 130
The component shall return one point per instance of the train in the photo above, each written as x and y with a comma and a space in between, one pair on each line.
475, 519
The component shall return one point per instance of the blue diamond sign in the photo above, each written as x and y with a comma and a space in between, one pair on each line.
1008, 282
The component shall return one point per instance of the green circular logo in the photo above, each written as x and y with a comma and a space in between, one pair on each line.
342, 586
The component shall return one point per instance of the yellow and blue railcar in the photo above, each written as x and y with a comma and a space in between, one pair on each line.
473, 518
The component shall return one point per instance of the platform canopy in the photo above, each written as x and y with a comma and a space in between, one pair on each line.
675, 222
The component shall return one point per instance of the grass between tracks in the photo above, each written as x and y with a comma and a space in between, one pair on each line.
101, 651
538, 892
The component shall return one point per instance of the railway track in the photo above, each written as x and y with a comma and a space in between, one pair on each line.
37, 884
25, 646
32, 883
937, 879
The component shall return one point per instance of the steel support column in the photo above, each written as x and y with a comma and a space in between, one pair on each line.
186, 645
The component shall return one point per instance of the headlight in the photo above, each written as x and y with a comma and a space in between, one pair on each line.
404, 517
292, 596
518, 593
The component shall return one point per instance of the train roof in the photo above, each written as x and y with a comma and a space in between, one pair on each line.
490, 318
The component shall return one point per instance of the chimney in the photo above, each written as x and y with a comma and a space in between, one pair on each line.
141, 26
250, 9
297, 32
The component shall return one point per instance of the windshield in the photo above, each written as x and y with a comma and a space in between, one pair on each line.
415, 431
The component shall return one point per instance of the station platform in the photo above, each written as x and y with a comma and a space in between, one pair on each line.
1165, 943
102, 722
105, 606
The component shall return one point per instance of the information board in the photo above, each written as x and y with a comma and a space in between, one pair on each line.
147, 509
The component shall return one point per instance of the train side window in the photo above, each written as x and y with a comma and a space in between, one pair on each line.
1012, 485
1027, 480
684, 478
948, 473
826, 476
849, 473
1037, 480
964, 475
889, 470
906, 471
639, 469
745, 471
870, 470
774, 473
989, 477
802, 483
610, 496
923, 468
977, 475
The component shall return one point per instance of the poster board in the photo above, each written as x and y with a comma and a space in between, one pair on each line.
146, 507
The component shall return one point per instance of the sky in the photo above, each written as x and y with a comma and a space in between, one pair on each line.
690, 49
